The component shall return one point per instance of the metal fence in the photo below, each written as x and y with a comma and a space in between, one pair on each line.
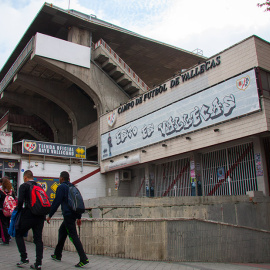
229, 171
173, 179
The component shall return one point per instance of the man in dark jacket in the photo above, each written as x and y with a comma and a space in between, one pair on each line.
29, 221
68, 226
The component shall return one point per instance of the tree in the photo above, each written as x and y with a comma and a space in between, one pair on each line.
266, 4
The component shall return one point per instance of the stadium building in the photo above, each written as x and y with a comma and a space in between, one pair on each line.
129, 116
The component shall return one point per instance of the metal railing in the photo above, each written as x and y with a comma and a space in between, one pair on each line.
122, 63
4, 119
238, 171
229, 171
17, 64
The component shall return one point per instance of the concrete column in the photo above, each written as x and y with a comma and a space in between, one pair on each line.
110, 185
261, 166
147, 180
195, 173
79, 36
114, 190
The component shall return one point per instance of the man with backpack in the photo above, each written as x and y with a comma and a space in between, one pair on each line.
28, 220
68, 226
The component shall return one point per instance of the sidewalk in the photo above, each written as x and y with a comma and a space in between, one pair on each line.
9, 256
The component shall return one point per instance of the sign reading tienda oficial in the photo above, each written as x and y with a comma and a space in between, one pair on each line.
53, 149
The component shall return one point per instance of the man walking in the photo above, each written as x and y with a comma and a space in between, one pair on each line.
68, 226
29, 221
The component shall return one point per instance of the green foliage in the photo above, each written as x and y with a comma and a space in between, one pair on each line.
266, 4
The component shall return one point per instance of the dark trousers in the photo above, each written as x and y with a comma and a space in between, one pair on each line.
4, 227
68, 228
36, 223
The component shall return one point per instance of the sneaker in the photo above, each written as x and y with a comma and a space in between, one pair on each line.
35, 266
55, 258
22, 262
4, 244
82, 264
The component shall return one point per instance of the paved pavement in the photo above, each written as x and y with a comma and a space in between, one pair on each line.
9, 256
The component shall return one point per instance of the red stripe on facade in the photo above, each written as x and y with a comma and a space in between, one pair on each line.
137, 194
86, 176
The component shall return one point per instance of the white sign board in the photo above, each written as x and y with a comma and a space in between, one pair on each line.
122, 163
233, 98
62, 50
5, 142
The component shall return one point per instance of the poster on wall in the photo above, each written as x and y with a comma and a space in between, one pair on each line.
221, 173
5, 142
228, 100
116, 181
258, 163
49, 185
11, 165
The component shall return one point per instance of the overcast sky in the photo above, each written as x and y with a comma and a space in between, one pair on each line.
210, 25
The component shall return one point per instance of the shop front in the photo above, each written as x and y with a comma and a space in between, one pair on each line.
10, 168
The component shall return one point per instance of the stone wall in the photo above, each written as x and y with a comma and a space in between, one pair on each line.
250, 211
168, 239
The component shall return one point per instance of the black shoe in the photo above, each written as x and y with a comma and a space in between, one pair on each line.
22, 262
82, 264
4, 244
55, 258
35, 266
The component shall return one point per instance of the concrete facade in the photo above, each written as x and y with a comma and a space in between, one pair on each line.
249, 128
250, 211
167, 240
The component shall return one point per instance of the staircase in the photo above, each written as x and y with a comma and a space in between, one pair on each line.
118, 70
28, 124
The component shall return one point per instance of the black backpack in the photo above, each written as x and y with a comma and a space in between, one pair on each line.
75, 199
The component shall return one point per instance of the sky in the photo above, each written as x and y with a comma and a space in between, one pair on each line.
209, 25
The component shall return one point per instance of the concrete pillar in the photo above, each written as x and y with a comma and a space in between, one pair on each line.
79, 36
149, 174
147, 180
110, 185
261, 166
195, 174
115, 187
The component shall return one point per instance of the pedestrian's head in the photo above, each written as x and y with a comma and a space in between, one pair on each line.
28, 175
64, 177
6, 185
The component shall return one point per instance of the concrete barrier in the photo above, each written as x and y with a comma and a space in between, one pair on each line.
250, 211
167, 239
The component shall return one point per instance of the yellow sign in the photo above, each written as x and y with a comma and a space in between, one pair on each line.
54, 187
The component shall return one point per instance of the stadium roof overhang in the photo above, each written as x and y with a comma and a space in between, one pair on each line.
153, 61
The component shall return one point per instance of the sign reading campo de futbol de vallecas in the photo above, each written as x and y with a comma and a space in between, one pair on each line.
238, 96
53, 149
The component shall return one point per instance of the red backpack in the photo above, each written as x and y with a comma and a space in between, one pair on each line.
9, 204
39, 200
